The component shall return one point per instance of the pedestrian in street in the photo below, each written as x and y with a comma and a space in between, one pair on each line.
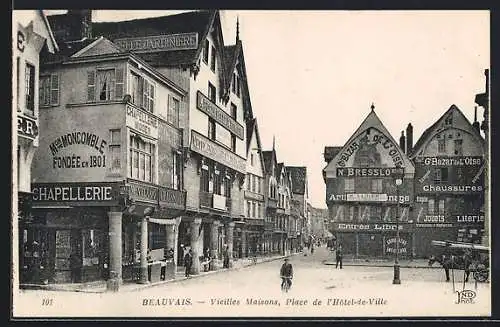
286, 273
225, 255
188, 262
338, 256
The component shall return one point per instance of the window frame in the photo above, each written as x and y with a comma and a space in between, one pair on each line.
213, 59
206, 48
173, 110
29, 88
115, 144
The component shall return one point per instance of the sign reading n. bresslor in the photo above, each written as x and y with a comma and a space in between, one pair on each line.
362, 288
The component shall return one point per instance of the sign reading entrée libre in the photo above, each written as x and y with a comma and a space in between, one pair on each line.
355, 227
75, 192
211, 150
170, 42
220, 116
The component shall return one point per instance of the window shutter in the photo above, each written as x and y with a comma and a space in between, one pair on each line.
170, 110
119, 83
41, 100
152, 97
54, 89
145, 89
91, 86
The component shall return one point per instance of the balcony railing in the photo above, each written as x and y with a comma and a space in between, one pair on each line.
215, 201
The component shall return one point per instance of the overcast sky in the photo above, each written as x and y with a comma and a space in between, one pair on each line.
314, 74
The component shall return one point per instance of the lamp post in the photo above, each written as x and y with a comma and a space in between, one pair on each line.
396, 279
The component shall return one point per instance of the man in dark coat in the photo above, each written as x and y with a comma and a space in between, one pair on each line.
188, 262
286, 273
225, 255
338, 256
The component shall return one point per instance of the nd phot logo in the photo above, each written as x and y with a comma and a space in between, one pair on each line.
465, 296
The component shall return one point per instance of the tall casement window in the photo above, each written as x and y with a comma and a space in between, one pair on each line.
234, 111
105, 84
458, 147
212, 93
49, 90
238, 86
441, 207
431, 206
205, 179
217, 182
211, 129
442, 145
233, 83
115, 150
206, 46
233, 142
227, 187
249, 209
142, 159
173, 111
29, 89
213, 56
349, 184
176, 170
376, 186
18, 67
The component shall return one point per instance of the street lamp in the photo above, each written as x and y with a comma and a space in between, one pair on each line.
396, 279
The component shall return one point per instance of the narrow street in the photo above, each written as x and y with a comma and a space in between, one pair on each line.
255, 291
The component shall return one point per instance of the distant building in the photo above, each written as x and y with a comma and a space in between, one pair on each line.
318, 218
298, 212
449, 181
362, 195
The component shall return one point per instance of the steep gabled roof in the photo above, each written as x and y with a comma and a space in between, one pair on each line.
189, 22
253, 130
427, 134
371, 121
299, 179
233, 53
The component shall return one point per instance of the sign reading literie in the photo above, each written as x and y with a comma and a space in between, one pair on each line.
170, 42
72, 192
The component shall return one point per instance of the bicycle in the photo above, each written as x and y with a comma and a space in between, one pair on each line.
286, 283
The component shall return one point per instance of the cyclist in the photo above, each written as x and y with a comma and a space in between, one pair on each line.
286, 273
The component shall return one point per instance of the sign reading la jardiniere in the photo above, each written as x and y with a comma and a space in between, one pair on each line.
211, 150
170, 42
155, 194
211, 109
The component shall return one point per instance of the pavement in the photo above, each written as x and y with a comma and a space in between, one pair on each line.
416, 263
101, 287
253, 290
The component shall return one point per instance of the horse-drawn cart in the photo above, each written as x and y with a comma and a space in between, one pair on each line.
472, 257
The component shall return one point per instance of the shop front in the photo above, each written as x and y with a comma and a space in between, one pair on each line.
149, 231
375, 240
65, 239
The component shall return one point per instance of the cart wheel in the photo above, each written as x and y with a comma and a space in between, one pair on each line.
481, 275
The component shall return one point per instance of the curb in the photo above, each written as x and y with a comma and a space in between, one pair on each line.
144, 286
379, 265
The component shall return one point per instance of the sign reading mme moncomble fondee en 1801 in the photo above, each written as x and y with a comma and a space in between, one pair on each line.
171, 42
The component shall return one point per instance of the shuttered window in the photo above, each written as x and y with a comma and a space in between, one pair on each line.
91, 86
105, 84
49, 90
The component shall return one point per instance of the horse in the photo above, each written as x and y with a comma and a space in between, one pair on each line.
461, 262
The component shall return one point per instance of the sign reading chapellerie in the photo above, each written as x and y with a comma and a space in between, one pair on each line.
75, 192
220, 116
211, 150
170, 42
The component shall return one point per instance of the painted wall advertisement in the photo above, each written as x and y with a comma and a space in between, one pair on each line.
391, 245
458, 175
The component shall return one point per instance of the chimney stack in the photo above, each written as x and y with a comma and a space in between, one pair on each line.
402, 141
475, 124
81, 21
409, 139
